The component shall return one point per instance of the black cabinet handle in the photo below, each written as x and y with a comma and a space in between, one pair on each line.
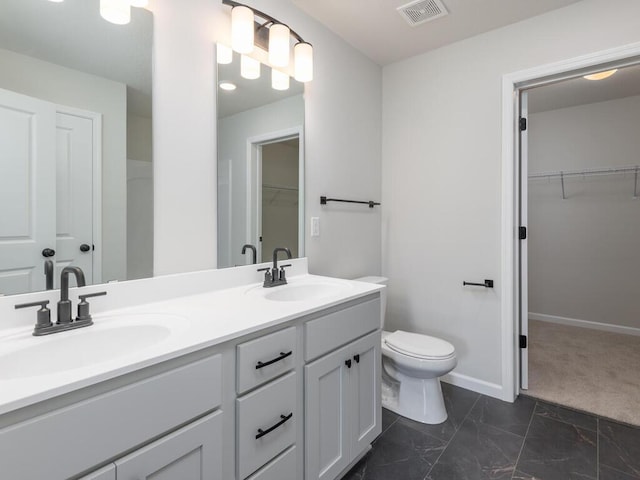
262, 433
48, 252
282, 356
356, 357
348, 363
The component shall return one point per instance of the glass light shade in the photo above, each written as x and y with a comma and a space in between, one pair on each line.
228, 86
600, 75
139, 3
116, 11
303, 57
249, 68
242, 29
279, 80
224, 54
279, 45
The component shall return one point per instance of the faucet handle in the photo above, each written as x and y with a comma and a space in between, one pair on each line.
282, 272
83, 306
44, 314
267, 273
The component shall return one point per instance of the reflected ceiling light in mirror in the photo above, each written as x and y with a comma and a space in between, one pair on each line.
224, 54
303, 58
139, 3
279, 80
249, 67
248, 31
56, 1
116, 11
600, 75
228, 86
242, 29
279, 35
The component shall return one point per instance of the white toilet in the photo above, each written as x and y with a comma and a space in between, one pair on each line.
412, 364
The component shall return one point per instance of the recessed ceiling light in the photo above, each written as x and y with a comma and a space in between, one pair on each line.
600, 75
227, 86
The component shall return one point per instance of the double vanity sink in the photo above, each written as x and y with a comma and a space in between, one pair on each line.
215, 362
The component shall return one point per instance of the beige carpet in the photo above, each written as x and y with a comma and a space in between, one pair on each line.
586, 369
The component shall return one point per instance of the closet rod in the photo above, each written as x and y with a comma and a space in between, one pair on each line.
587, 172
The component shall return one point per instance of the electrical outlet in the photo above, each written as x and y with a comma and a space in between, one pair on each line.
315, 226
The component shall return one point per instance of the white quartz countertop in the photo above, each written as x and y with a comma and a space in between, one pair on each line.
193, 323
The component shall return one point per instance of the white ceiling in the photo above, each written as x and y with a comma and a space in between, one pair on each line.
578, 91
375, 27
73, 34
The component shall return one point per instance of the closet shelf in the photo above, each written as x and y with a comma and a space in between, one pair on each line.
590, 172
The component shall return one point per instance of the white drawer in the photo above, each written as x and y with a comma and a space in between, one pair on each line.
270, 413
266, 358
281, 468
333, 330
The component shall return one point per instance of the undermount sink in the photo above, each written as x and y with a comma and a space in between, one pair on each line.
107, 339
300, 290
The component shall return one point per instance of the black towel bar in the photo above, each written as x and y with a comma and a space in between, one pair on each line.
486, 284
371, 203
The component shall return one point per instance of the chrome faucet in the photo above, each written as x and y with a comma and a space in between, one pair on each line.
273, 277
253, 249
65, 320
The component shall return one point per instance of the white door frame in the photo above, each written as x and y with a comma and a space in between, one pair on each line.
512, 83
254, 172
96, 121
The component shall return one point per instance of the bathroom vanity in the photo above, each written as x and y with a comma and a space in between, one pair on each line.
225, 380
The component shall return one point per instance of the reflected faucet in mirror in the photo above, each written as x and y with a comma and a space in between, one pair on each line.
253, 249
48, 274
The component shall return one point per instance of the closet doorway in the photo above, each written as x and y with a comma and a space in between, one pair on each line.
579, 264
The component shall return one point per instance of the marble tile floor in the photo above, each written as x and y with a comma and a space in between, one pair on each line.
485, 438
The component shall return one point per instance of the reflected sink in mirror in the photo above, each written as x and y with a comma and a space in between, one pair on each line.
109, 338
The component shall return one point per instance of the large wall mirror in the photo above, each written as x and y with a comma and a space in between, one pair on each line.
75, 143
260, 166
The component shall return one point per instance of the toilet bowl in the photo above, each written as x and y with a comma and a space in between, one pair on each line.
412, 366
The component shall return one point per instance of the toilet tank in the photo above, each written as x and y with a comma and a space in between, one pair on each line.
383, 294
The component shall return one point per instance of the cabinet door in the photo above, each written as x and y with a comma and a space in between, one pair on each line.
366, 410
326, 428
191, 453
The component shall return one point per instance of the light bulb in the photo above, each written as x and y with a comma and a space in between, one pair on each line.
279, 80
242, 29
139, 3
116, 11
224, 54
279, 45
249, 68
303, 57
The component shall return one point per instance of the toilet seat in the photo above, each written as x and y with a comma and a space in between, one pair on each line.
419, 346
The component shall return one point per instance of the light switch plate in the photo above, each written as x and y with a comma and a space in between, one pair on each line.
315, 226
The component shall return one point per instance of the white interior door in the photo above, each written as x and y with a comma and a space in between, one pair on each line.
74, 194
524, 270
27, 190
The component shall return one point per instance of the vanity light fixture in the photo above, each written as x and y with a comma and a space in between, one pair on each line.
600, 75
272, 36
279, 80
116, 11
249, 67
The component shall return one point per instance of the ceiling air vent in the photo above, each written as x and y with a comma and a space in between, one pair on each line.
417, 13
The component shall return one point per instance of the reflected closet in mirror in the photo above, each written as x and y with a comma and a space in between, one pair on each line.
260, 166
75, 143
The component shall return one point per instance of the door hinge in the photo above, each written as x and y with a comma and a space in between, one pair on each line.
522, 233
523, 341
523, 124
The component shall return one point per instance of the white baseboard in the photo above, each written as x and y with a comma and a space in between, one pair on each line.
574, 322
480, 386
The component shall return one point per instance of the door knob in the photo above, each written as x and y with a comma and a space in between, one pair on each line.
85, 248
48, 252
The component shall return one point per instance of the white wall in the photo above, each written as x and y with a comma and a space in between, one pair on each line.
342, 136
234, 131
442, 173
69, 87
583, 260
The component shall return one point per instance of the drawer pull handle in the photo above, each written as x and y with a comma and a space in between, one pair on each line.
262, 433
282, 356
